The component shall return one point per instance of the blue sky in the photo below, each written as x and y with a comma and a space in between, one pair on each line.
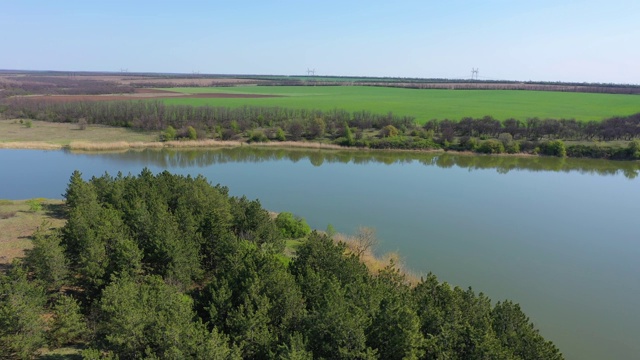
562, 40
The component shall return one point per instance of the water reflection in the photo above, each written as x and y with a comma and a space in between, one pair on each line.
183, 158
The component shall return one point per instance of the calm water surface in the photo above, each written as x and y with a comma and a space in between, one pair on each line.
559, 236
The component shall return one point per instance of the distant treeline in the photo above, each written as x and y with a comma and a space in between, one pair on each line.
155, 115
463, 85
72, 83
359, 128
170, 267
58, 85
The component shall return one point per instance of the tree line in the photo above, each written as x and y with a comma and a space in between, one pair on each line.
166, 266
358, 128
58, 85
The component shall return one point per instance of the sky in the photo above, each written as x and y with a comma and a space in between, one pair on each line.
541, 40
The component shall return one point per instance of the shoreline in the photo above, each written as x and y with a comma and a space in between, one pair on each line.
191, 144
41, 135
121, 146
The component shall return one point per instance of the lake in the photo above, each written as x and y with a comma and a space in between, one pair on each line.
559, 236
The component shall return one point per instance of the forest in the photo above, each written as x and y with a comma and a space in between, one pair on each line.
170, 267
362, 129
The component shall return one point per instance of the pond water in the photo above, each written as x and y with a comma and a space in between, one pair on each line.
559, 236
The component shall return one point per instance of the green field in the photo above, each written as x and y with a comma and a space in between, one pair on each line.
428, 104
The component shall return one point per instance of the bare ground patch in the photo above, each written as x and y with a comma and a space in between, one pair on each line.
15, 236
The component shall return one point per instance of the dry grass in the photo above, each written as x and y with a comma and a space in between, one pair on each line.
47, 135
16, 230
7, 214
39, 145
376, 263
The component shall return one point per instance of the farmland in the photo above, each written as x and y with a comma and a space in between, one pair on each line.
425, 104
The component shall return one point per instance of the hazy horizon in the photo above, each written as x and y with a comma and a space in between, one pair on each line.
567, 40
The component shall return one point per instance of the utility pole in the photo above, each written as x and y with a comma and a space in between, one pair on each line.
474, 73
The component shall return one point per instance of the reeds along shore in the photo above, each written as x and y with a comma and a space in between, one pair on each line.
124, 145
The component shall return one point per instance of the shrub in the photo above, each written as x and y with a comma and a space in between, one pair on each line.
513, 148
633, 149
348, 135
317, 128
505, 138
589, 151
82, 124
469, 143
491, 147
291, 226
191, 133
169, 134
258, 136
296, 129
280, 135
228, 134
28, 124
34, 205
389, 131
553, 148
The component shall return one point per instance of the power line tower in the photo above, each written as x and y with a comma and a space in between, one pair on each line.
474, 73
311, 72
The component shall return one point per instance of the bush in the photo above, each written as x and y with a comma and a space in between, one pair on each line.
491, 147
469, 143
228, 134
191, 133
169, 134
553, 148
389, 131
34, 205
513, 148
258, 136
292, 227
82, 124
633, 149
588, 151
28, 124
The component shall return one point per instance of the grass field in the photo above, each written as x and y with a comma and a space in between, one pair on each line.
428, 104
64, 133
18, 222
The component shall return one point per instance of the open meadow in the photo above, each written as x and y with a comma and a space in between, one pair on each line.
35, 133
18, 221
425, 104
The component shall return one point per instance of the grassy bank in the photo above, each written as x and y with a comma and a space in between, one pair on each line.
40, 134
52, 136
15, 134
